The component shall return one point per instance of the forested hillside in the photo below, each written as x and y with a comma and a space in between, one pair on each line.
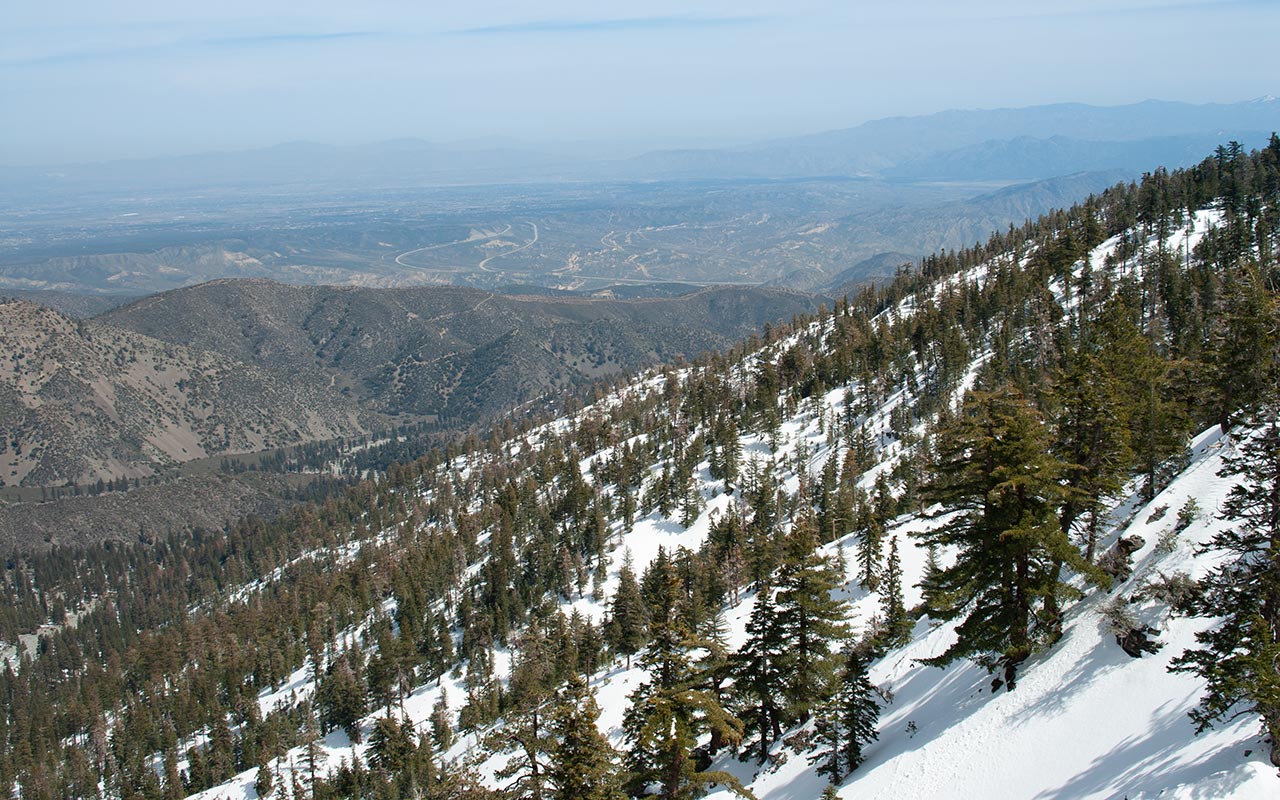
983, 509
83, 402
462, 355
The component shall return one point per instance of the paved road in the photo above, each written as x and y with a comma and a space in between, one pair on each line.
484, 265
447, 244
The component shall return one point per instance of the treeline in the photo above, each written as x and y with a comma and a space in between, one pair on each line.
1087, 374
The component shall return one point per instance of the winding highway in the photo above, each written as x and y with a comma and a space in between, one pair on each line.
484, 265
468, 240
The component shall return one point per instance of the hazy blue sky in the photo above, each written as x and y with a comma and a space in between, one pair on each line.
93, 79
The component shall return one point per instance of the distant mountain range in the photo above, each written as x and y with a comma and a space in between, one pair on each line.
1029, 158
1006, 143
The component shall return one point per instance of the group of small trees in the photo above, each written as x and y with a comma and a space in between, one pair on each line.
1239, 656
557, 750
697, 699
1079, 397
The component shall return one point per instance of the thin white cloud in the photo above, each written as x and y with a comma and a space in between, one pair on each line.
610, 25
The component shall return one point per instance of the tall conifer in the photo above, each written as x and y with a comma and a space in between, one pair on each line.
583, 764
995, 475
1238, 656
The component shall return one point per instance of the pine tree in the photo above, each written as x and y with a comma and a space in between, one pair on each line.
931, 586
379, 673
759, 668
669, 712
313, 755
1238, 656
392, 744
526, 729
221, 759
629, 619
441, 731
893, 611
870, 542
340, 697
1157, 421
173, 789
996, 476
829, 525
847, 723
811, 619
1243, 347
1091, 437
762, 495
525, 734
583, 765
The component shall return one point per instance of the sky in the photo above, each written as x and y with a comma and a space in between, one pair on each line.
88, 80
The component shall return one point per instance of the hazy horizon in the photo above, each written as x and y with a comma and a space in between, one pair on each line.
137, 80
580, 149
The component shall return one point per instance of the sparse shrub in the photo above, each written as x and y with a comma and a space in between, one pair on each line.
1134, 638
1188, 514
800, 741
1118, 561
1117, 616
1174, 590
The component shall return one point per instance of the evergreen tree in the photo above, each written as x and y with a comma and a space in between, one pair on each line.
1157, 421
668, 713
583, 765
1238, 656
1092, 436
391, 744
811, 619
847, 723
313, 756
379, 673
526, 729
340, 697
870, 542
525, 733
830, 525
221, 760
893, 611
173, 789
759, 668
1243, 353
628, 625
441, 731
996, 476
931, 586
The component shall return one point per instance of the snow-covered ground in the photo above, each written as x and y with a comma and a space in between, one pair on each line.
1086, 719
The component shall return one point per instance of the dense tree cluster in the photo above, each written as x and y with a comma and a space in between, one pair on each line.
479, 546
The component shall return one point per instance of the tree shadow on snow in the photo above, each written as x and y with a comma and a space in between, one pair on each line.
934, 705
1101, 659
1153, 762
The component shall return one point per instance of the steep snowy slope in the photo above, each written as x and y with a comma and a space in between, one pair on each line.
1086, 718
